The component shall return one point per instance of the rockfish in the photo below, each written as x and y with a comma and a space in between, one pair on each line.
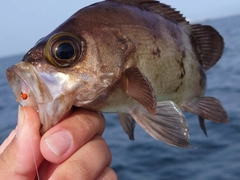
141, 59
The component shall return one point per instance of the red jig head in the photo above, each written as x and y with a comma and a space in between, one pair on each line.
24, 96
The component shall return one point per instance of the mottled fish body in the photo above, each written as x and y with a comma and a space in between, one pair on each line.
140, 59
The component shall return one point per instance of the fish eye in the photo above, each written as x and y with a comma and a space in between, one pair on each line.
64, 50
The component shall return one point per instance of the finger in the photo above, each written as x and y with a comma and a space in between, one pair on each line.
20, 158
86, 163
62, 140
46, 169
107, 174
7, 141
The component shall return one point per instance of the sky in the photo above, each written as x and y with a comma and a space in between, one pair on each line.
23, 24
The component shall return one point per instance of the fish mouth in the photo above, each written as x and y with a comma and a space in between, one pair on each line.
31, 89
27, 88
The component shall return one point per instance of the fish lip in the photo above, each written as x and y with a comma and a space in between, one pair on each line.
13, 75
19, 85
21, 76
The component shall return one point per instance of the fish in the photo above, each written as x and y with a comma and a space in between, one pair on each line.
140, 59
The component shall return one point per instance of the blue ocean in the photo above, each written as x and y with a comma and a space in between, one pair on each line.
216, 157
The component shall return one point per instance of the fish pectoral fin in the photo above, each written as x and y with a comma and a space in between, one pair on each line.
139, 88
128, 124
209, 44
208, 108
202, 125
168, 125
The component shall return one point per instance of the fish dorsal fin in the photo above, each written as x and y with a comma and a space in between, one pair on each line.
139, 88
209, 44
156, 7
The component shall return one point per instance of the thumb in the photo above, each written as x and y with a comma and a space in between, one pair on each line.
21, 156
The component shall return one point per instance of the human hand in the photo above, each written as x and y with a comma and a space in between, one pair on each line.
73, 149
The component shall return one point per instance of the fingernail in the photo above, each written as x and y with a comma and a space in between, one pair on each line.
21, 119
59, 142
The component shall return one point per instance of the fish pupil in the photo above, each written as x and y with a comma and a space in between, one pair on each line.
64, 51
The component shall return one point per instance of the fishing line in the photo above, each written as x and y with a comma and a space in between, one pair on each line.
33, 153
